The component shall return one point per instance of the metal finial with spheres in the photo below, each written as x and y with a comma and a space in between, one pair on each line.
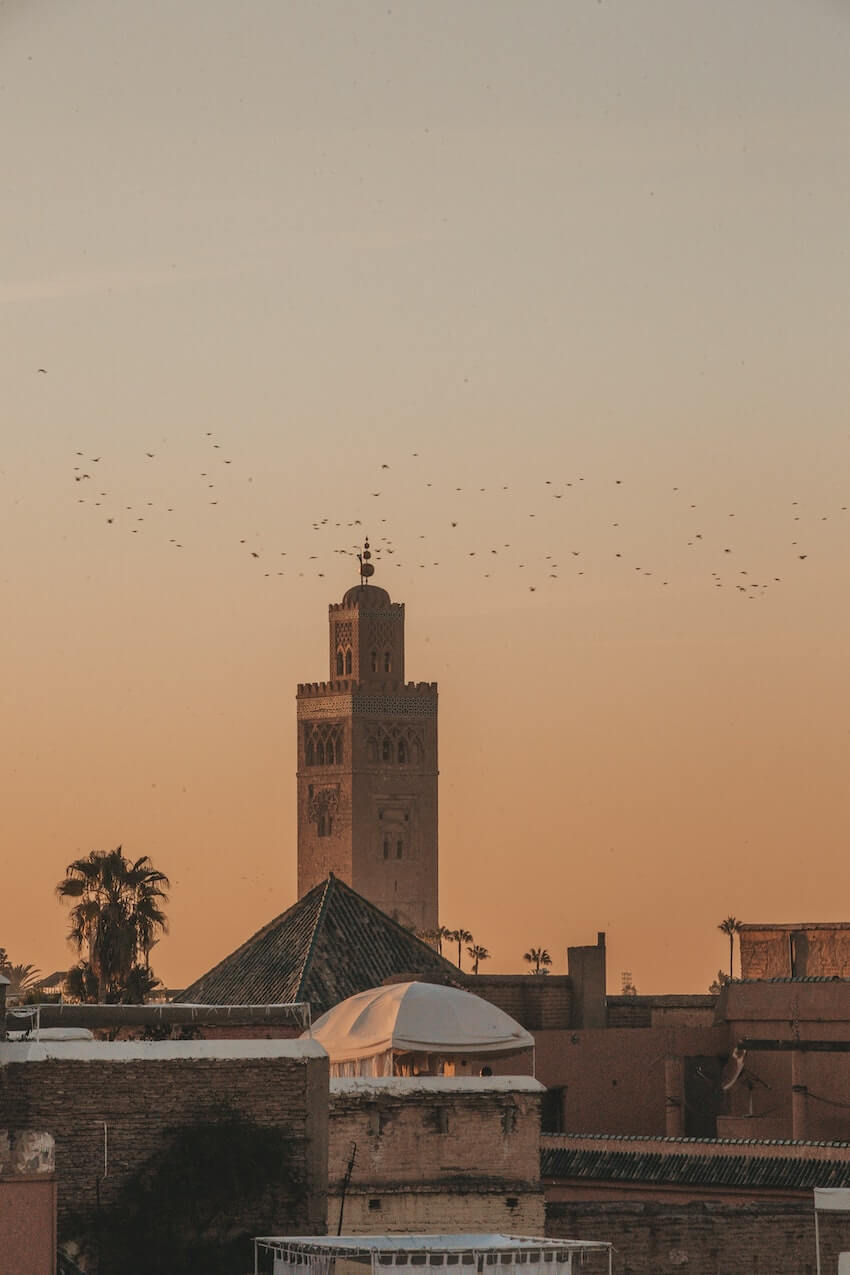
366, 568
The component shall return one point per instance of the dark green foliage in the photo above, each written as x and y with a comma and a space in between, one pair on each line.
114, 923
194, 1207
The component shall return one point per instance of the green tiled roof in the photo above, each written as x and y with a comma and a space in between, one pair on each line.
741, 1171
326, 947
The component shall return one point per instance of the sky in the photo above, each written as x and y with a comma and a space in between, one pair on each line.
567, 285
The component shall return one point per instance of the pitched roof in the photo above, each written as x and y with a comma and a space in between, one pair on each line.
329, 945
788, 1173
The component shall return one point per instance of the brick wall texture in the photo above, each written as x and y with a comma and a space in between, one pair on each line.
141, 1101
538, 1003
703, 1238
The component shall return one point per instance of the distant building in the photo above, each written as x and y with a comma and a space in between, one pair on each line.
367, 764
819, 949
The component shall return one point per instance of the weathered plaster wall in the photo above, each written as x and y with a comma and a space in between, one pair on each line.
443, 1156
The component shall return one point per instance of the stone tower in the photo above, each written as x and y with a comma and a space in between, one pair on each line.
367, 763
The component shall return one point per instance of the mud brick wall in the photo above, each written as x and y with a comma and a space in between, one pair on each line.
704, 1238
454, 1157
415, 1136
538, 1003
142, 1100
456, 1208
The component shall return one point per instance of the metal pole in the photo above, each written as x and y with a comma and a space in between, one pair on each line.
817, 1240
345, 1184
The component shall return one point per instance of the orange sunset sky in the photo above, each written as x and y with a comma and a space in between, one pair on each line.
567, 285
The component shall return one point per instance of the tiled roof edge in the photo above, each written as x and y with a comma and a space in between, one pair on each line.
323, 907
712, 1142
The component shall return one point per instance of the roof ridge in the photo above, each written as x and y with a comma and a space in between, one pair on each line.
311, 946
252, 939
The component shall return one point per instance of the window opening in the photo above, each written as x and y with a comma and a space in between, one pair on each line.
348, 660
388, 662
340, 665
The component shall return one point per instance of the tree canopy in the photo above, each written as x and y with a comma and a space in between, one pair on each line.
115, 920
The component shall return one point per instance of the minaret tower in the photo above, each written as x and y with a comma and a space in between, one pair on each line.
367, 762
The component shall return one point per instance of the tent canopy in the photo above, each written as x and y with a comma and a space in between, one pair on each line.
471, 1242
494, 1254
417, 1018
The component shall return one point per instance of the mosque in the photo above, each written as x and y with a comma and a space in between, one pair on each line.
368, 871
367, 763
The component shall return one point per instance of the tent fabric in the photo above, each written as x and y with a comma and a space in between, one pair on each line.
495, 1254
493, 1243
417, 1018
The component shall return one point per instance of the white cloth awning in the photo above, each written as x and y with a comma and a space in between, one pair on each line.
832, 1199
422, 1018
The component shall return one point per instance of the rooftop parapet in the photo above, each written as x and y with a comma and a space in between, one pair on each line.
347, 686
366, 604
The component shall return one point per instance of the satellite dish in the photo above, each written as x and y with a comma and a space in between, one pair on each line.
733, 1068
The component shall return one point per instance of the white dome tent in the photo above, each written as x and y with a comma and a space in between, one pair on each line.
417, 1029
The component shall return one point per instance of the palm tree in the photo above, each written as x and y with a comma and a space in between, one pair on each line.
435, 937
731, 926
478, 953
459, 936
22, 979
442, 933
81, 984
538, 957
117, 916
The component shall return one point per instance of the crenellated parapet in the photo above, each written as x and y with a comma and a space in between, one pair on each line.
343, 686
369, 610
370, 699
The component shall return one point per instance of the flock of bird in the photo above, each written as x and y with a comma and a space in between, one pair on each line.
717, 559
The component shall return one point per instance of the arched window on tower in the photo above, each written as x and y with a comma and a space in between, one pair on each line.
339, 747
388, 662
340, 664
386, 750
324, 824
386, 847
348, 660
371, 750
399, 848
374, 661
320, 752
330, 751
402, 751
309, 754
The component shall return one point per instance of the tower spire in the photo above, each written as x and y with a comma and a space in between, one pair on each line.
366, 568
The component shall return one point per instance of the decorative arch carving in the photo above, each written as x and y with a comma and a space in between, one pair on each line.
395, 743
324, 743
